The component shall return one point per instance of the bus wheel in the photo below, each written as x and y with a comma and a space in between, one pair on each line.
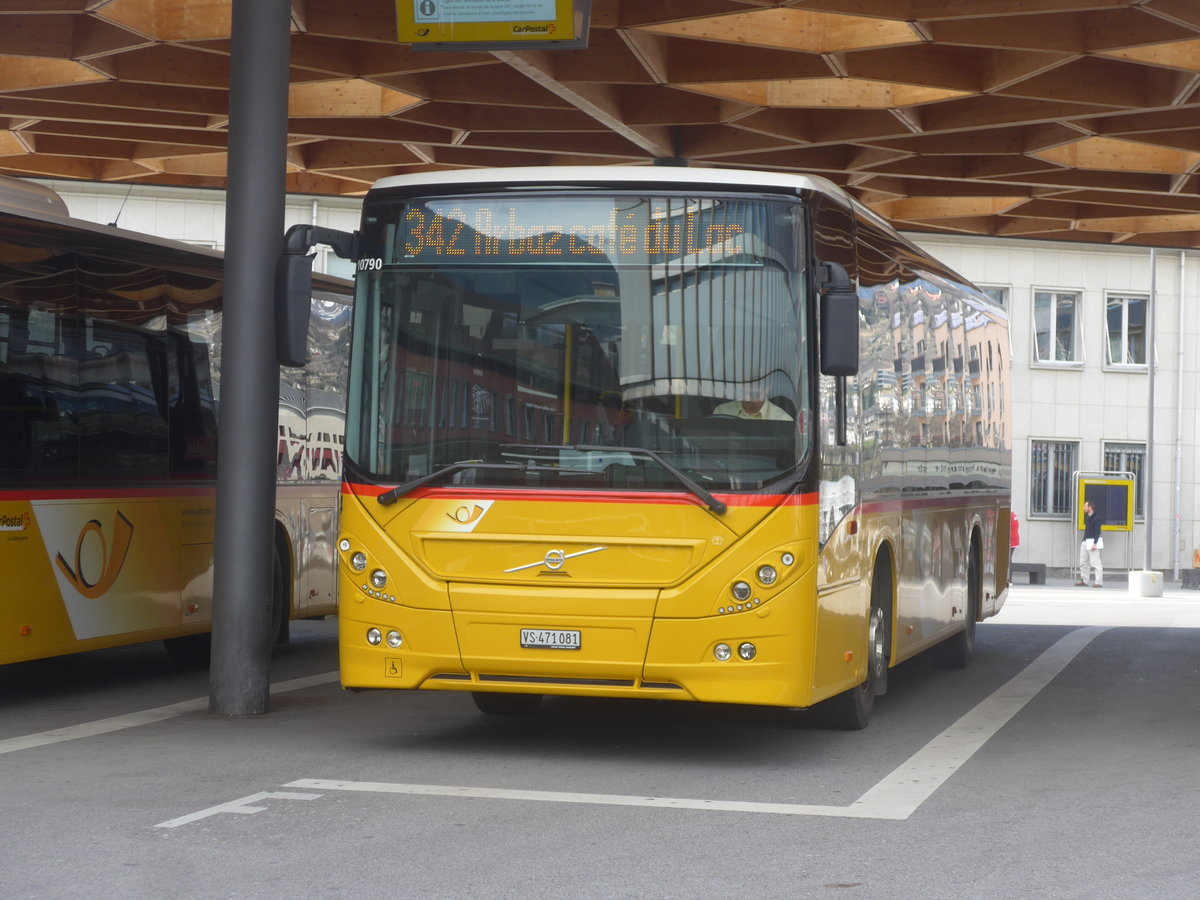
190, 650
281, 620
956, 652
851, 710
506, 704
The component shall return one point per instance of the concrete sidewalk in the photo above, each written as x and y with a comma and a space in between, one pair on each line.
1061, 602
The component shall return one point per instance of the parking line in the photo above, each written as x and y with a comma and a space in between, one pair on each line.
896, 797
143, 717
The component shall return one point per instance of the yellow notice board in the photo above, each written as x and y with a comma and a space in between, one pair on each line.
486, 21
1112, 498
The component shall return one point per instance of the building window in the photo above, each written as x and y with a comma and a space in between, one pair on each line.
1051, 467
1129, 458
1125, 322
999, 295
1056, 327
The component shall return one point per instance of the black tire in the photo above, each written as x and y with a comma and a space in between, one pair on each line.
279, 630
851, 710
506, 704
192, 650
956, 652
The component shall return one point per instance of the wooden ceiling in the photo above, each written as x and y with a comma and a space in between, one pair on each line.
1065, 119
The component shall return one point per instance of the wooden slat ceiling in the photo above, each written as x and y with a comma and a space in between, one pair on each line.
1066, 119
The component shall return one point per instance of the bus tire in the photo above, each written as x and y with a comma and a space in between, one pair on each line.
493, 704
956, 651
851, 710
279, 629
190, 650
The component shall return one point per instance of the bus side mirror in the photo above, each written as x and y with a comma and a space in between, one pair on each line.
838, 312
293, 287
293, 301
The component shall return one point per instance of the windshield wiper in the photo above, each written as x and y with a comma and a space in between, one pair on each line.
682, 477
389, 497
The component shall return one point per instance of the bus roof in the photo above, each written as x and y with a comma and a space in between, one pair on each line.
29, 215
655, 176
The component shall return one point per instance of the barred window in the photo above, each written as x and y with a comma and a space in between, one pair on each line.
1051, 466
1128, 458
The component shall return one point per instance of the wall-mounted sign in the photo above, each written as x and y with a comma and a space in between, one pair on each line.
492, 24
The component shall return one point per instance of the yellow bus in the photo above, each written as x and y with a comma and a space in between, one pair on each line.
110, 359
663, 432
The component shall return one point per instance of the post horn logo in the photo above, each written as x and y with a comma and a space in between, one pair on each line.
111, 561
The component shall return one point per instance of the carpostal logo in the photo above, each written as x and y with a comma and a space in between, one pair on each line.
535, 29
20, 522
111, 558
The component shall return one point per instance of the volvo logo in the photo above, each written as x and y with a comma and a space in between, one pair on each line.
554, 559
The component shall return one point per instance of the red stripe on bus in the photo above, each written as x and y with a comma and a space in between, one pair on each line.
106, 493
547, 496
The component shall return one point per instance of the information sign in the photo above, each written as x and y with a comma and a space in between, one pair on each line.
1112, 498
485, 21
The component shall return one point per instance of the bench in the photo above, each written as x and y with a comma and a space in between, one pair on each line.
1036, 571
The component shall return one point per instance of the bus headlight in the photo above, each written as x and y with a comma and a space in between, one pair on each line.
344, 545
374, 637
379, 578
747, 651
787, 559
722, 652
394, 640
767, 574
741, 590
358, 561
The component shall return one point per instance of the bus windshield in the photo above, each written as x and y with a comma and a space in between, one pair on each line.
591, 340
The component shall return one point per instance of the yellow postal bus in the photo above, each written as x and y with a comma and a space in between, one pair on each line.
110, 359
673, 433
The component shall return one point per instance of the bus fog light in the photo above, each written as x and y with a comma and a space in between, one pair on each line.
747, 651
374, 636
343, 545
379, 578
358, 561
787, 559
394, 639
767, 574
722, 652
741, 590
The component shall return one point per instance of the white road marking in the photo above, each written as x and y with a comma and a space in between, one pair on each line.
241, 806
896, 797
144, 717
902, 792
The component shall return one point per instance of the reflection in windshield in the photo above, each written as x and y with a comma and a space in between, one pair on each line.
517, 366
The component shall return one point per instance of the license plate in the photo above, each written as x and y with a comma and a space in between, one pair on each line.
550, 638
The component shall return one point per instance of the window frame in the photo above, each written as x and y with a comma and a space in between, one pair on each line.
1126, 448
1125, 297
1050, 488
1079, 358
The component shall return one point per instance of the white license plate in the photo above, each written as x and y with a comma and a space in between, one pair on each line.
550, 638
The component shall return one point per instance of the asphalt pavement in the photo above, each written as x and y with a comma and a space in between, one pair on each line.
1062, 763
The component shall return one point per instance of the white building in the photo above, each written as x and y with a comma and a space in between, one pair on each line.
1080, 385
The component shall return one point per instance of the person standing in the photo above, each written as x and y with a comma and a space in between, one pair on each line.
1014, 540
1089, 550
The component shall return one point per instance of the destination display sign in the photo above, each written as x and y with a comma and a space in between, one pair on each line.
622, 230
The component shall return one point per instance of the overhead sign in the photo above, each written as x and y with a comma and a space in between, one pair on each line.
502, 22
